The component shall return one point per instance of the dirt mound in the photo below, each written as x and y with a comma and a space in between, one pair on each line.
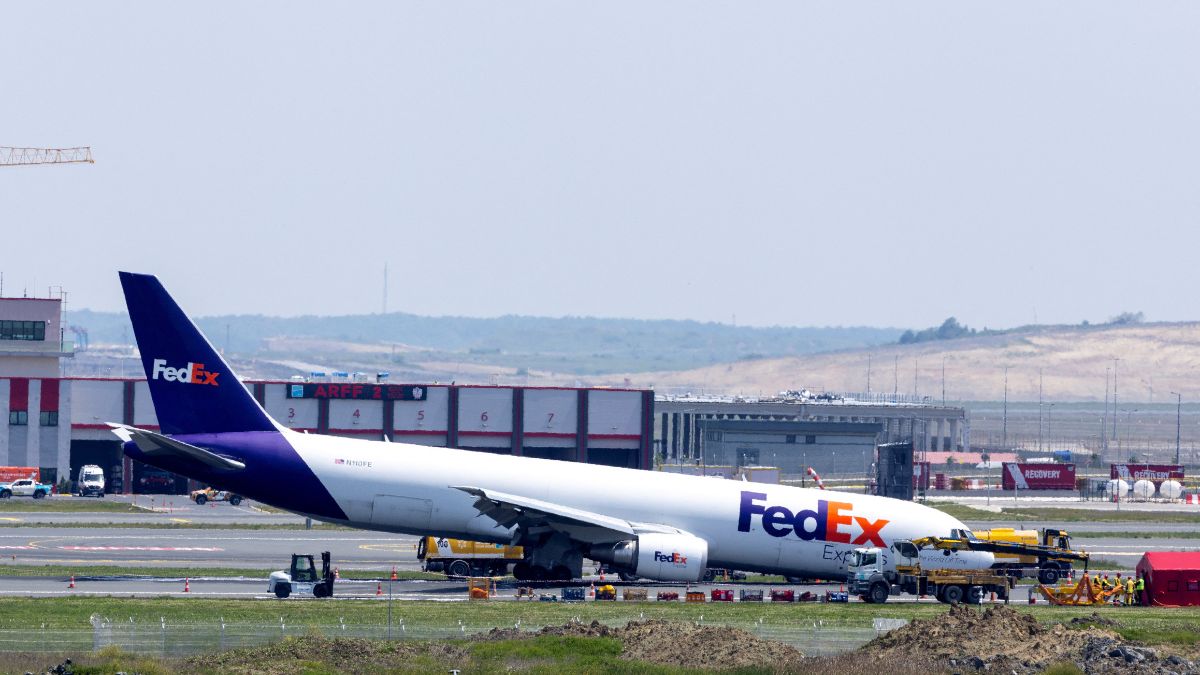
1005, 640
676, 643
1096, 619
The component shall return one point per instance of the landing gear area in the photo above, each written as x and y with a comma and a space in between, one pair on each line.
524, 571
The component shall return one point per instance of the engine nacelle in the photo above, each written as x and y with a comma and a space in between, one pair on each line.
663, 557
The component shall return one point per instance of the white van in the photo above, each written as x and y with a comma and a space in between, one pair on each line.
90, 482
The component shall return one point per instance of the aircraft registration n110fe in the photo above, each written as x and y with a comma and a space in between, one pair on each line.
650, 524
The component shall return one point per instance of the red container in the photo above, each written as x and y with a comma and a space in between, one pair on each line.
668, 596
783, 596
1038, 476
722, 595
941, 482
1151, 472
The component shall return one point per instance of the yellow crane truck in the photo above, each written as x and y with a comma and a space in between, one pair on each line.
1046, 552
463, 558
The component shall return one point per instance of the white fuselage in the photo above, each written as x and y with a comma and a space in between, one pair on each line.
403, 488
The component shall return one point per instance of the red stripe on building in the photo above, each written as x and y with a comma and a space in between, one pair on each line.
18, 394
616, 437
49, 396
485, 433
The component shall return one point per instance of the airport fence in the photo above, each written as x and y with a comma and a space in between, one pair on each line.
184, 639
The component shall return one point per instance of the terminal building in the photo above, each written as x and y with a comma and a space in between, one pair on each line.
833, 435
598, 426
59, 424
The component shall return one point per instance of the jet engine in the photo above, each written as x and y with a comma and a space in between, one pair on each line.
659, 556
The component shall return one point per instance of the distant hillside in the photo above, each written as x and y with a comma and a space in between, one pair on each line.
1155, 359
569, 345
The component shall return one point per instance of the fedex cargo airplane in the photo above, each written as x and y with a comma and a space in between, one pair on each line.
654, 525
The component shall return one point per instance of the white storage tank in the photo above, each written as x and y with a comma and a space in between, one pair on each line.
1118, 488
1170, 489
1143, 489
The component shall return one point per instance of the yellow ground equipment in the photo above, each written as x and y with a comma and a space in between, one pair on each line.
1046, 550
1082, 593
463, 558
1053, 559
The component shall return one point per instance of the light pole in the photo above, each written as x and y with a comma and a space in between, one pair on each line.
1004, 436
1039, 410
1114, 430
1050, 427
1178, 422
943, 382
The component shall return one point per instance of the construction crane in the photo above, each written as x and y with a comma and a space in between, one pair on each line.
25, 156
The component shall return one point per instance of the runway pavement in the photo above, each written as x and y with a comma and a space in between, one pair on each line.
27, 541
163, 509
352, 549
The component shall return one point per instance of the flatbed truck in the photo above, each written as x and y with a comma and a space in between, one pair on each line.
875, 574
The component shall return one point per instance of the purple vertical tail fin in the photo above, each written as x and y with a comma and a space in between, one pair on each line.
194, 390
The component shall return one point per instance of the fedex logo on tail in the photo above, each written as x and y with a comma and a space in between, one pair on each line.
192, 373
830, 521
674, 558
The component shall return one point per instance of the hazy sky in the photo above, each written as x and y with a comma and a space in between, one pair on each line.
788, 163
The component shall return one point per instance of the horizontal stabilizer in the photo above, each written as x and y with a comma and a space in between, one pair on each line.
158, 445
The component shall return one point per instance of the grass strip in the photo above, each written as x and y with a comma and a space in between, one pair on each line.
1023, 513
67, 505
1134, 534
74, 612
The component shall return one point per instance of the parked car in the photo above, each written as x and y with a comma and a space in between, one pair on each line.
208, 494
25, 487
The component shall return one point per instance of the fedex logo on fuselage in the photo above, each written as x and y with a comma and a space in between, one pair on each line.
192, 373
830, 521
674, 558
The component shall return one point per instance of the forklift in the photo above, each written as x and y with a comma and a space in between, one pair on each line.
302, 578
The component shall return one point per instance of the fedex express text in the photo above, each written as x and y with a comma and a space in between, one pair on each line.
831, 521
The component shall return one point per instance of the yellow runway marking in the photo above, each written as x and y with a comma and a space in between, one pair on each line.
180, 520
388, 547
11, 520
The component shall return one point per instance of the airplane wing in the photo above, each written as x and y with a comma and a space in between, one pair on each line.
154, 444
534, 515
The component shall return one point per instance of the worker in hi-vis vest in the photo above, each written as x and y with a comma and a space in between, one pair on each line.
1140, 588
1129, 586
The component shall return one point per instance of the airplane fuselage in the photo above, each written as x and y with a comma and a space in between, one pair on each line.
404, 488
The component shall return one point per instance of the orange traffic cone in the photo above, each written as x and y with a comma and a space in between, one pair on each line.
187, 585
394, 577
379, 589
72, 584
592, 590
